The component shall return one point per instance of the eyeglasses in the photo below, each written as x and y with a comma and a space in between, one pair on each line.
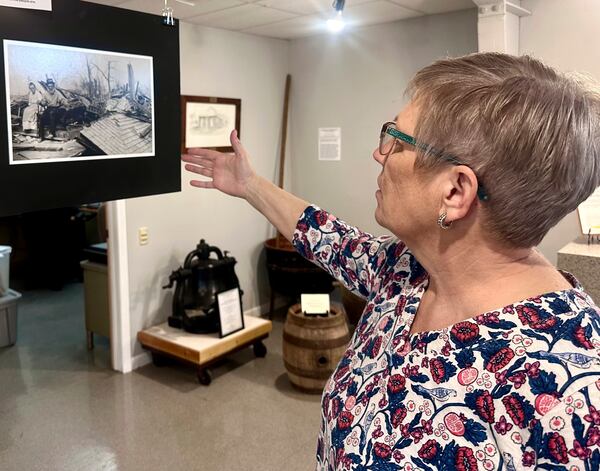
388, 144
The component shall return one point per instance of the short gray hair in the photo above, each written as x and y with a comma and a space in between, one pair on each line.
530, 133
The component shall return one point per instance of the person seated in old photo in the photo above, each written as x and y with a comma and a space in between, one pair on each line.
54, 105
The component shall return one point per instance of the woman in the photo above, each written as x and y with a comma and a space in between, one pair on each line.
473, 351
31, 112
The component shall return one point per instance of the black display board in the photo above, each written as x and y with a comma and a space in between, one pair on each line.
30, 187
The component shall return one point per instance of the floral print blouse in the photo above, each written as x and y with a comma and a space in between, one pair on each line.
517, 388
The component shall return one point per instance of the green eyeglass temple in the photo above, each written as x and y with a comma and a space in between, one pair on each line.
481, 193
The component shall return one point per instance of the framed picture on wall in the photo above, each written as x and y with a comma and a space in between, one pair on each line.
208, 121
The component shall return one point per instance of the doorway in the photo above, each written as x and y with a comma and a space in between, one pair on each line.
59, 268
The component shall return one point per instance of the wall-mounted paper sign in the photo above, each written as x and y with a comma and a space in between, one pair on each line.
589, 214
29, 4
330, 143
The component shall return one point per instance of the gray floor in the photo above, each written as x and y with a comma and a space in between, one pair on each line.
61, 408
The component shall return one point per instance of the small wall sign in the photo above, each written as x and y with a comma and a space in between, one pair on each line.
330, 143
589, 214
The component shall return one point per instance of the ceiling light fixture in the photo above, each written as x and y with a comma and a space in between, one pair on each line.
336, 24
167, 14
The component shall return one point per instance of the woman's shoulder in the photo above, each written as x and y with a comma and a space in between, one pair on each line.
554, 346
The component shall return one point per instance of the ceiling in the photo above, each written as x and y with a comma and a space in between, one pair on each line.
288, 19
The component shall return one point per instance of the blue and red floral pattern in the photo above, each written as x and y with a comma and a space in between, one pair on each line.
515, 388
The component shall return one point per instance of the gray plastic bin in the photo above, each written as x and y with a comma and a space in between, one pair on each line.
8, 318
5, 251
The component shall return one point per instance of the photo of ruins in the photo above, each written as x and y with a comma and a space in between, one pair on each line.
72, 104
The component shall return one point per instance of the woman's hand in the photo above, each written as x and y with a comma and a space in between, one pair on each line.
233, 174
230, 173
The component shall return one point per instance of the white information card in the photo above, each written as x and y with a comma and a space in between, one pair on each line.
29, 4
330, 143
230, 312
315, 303
589, 214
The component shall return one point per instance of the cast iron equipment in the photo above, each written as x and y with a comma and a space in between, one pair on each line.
198, 281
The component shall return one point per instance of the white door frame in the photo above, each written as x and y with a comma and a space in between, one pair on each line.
118, 279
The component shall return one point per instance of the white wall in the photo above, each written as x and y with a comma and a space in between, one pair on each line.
224, 64
356, 81
564, 35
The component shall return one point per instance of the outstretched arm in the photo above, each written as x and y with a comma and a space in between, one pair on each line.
351, 256
232, 174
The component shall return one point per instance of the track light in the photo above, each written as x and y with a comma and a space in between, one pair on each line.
336, 24
338, 5
167, 14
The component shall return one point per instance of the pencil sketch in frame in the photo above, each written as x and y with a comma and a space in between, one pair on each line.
68, 104
208, 121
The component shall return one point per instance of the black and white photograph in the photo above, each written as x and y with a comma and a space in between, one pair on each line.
208, 121
71, 104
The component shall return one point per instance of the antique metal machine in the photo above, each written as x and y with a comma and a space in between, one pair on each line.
198, 281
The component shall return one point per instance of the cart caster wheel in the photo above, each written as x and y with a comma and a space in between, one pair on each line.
260, 351
159, 360
204, 377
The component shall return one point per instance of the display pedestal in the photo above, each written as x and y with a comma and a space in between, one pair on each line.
202, 350
97, 310
583, 261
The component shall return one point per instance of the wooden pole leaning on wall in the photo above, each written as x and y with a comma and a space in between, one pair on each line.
281, 240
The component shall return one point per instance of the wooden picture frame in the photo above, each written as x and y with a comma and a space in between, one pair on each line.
208, 121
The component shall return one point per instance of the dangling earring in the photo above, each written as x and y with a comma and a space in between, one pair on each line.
442, 221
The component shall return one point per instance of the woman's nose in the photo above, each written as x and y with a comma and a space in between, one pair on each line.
380, 158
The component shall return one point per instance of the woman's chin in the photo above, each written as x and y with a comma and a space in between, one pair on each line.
378, 215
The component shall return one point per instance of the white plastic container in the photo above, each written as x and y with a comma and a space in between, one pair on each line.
8, 318
5, 251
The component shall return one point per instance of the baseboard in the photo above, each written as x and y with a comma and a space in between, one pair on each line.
256, 311
263, 309
141, 360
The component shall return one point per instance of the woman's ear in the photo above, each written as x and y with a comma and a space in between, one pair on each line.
459, 192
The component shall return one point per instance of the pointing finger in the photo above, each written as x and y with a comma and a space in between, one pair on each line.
202, 161
207, 172
202, 184
204, 152
236, 143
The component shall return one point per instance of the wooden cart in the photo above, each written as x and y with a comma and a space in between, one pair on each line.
202, 350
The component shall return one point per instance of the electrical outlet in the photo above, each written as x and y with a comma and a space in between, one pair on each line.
143, 236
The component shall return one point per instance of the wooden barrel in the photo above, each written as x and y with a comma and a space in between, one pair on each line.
313, 346
290, 273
